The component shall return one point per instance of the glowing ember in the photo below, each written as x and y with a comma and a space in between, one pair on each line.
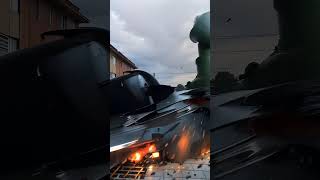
205, 152
155, 155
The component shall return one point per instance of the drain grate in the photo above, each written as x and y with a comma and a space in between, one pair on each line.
128, 170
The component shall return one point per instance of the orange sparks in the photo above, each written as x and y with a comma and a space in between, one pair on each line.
205, 152
183, 143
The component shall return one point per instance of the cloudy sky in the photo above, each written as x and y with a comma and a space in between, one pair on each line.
95, 10
155, 35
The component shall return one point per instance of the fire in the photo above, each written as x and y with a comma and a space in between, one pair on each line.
152, 148
137, 156
140, 153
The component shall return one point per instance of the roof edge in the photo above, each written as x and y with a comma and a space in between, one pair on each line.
127, 60
73, 10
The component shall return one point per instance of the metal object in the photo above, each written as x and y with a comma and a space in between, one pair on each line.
128, 170
159, 121
53, 91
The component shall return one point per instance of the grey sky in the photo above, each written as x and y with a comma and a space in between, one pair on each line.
155, 35
248, 18
95, 10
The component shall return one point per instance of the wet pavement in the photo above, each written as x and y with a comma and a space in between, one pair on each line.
190, 169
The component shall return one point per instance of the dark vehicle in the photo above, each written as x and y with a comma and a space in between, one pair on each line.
53, 107
157, 115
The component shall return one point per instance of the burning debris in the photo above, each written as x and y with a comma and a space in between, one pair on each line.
149, 151
188, 141
149, 161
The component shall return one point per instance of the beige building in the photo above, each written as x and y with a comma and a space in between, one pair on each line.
23, 21
119, 63
9, 27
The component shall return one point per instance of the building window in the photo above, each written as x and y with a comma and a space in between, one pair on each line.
4, 43
63, 22
112, 75
74, 25
13, 45
8, 44
51, 16
113, 60
14, 5
37, 9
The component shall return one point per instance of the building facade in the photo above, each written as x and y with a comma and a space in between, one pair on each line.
9, 26
119, 63
23, 21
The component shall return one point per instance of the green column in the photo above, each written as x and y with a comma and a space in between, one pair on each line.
200, 34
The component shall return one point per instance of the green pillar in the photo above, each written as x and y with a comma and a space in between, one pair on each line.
200, 34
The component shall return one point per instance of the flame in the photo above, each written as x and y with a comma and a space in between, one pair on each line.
137, 156
140, 153
152, 148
